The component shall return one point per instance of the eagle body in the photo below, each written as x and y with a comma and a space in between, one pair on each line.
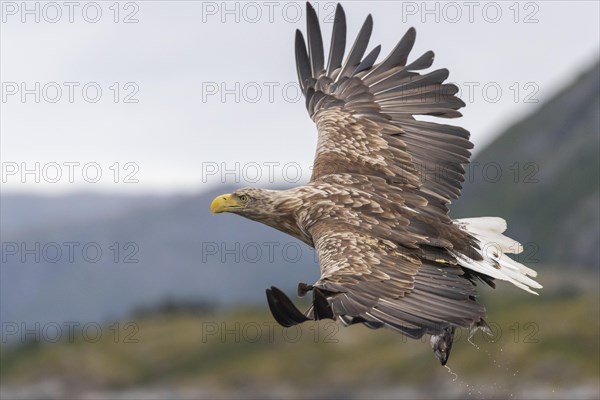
376, 207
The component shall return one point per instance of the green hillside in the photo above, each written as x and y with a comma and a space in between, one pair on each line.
544, 346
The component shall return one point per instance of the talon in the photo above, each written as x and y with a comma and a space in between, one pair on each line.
303, 288
442, 344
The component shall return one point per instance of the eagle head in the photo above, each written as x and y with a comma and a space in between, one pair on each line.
247, 202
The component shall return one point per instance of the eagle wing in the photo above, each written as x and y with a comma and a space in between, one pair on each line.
365, 112
385, 263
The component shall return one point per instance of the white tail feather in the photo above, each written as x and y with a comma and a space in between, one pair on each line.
494, 247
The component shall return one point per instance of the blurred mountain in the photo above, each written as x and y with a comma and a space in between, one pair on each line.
543, 176
98, 257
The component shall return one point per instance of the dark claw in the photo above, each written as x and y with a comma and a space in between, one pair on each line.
321, 307
282, 308
303, 288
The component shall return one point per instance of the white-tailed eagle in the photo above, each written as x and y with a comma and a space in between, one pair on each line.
376, 206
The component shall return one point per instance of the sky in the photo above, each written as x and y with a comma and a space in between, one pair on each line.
172, 97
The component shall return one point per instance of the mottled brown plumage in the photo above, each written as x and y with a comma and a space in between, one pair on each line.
376, 207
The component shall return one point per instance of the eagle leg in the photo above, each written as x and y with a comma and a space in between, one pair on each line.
303, 288
321, 307
282, 308
286, 313
442, 344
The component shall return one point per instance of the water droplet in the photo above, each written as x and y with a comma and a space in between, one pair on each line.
450, 372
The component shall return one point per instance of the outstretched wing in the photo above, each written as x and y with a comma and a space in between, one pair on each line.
365, 112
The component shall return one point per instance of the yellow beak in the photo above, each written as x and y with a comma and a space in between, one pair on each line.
223, 203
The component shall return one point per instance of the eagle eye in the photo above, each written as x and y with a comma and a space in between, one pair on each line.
243, 198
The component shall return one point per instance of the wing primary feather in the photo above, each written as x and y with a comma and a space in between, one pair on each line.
425, 61
438, 76
399, 55
383, 77
302, 62
358, 48
338, 41
368, 61
315, 41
